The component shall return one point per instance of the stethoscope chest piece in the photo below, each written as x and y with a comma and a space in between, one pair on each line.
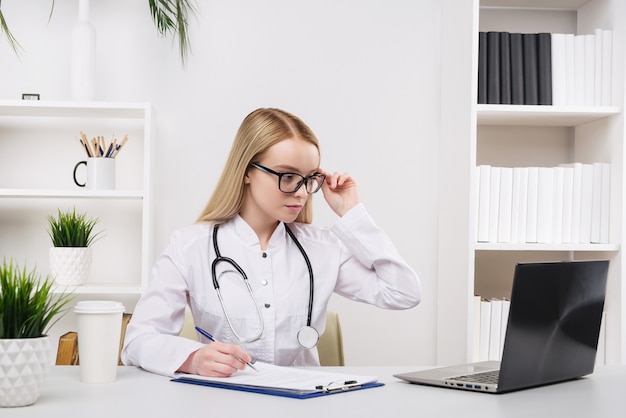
308, 337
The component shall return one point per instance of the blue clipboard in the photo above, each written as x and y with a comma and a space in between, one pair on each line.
288, 393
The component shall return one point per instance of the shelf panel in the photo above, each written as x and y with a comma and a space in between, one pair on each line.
77, 194
95, 289
487, 246
522, 115
536, 4
55, 109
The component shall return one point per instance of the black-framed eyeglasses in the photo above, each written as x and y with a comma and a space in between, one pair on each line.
291, 182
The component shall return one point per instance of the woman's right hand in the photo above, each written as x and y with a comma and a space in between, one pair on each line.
216, 359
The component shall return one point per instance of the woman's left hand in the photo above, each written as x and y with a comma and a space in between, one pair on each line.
340, 191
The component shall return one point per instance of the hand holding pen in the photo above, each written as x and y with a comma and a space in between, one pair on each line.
210, 338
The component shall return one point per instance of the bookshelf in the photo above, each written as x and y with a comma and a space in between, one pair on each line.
519, 136
39, 144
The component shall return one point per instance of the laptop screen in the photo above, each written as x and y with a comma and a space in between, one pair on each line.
554, 322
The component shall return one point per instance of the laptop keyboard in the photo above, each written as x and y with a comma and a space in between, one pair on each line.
488, 377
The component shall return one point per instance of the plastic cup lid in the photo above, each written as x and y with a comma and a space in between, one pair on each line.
98, 306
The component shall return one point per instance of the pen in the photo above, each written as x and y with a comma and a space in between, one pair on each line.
210, 337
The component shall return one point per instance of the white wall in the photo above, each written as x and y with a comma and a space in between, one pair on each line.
364, 74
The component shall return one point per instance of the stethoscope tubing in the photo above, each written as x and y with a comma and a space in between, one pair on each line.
219, 258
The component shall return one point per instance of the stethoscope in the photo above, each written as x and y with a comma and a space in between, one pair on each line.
307, 335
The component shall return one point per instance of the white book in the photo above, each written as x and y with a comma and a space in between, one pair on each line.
523, 205
494, 331
596, 203
576, 200
579, 70
494, 203
476, 339
531, 206
557, 204
568, 190
506, 306
589, 78
515, 203
570, 60
586, 199
545, 201
605, 210
485, 327
607, 66
506, 200
559, 69
484, 191
597, 71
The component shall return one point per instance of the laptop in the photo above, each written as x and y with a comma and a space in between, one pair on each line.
552, 332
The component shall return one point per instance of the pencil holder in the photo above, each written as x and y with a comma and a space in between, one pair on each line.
100, 173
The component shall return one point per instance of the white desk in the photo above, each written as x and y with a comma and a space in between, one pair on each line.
137, 393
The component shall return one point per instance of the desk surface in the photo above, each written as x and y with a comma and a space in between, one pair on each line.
137, 393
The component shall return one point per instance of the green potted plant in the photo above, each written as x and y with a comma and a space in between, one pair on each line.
28, 308
169, 17
72, 235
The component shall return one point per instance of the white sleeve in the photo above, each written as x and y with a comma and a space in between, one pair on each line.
372, 270
152, 340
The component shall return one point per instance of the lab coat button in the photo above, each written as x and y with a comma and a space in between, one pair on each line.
264, 282
264, 255
267, 305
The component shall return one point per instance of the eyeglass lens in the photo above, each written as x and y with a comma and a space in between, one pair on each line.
291, 182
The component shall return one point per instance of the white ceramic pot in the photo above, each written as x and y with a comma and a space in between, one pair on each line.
24, 365
70, 265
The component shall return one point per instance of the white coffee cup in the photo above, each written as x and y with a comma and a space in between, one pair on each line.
99, 332
100, 173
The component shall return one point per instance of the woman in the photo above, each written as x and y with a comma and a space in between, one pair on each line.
259, 219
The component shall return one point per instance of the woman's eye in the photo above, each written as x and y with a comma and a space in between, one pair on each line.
289, 177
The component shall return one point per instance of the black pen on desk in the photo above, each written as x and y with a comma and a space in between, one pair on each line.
210, 337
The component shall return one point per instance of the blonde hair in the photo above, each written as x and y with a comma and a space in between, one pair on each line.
259, 131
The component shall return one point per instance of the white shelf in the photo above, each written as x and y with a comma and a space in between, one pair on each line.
469, 133
535, 4
485, 246
96, 289
58, 109
36, 184
523, 115
76, 194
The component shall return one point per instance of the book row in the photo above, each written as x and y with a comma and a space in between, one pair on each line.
545, 69
568, 204
491, 317
490, 321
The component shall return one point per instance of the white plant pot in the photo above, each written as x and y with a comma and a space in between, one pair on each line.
70, 266
24, 365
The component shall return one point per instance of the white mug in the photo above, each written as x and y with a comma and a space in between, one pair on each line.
100, 173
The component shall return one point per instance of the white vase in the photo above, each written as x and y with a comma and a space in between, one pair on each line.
24, 365
70, 266
83, 64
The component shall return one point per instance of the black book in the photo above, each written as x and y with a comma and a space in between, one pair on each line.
505, 68
482, 67
493, 67
544, 68
517, 69
531, 84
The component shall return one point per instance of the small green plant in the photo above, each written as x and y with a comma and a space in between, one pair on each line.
28, 304
71, 229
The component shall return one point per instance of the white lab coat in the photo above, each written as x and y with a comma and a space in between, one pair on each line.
353, 258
